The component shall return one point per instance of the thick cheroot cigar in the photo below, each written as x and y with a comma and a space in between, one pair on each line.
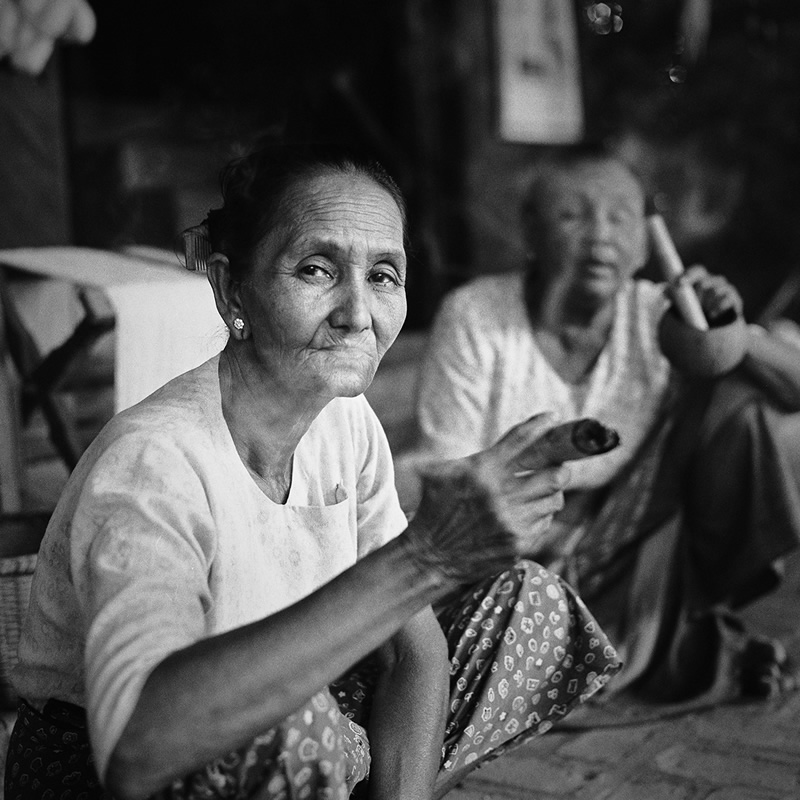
569, 441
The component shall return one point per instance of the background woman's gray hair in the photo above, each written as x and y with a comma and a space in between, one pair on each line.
564, 159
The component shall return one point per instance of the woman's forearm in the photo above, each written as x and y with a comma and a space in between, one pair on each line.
409, 709
775, 365
221, 692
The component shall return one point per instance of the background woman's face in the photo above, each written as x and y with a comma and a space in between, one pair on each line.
325, 293
591, 234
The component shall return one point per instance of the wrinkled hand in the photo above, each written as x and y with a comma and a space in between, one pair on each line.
719, 298
479, 514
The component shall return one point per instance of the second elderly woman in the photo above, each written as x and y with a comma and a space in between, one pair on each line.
667, 536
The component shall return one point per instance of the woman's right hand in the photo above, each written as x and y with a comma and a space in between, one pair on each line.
479, 514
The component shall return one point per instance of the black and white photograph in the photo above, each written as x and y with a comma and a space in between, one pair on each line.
399, 400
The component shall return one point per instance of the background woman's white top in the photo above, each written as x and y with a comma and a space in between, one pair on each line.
485, 373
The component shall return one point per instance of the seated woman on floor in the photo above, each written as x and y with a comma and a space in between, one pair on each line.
683, 523
229, 601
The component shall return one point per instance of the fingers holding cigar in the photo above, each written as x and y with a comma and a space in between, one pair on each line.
542, 474
534, 453
479, 513
543, 444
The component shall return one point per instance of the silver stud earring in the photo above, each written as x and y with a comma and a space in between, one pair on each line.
238, 323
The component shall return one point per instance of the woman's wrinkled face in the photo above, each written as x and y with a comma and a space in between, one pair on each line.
590, 234
325, 293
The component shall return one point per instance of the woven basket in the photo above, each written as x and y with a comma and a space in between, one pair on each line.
16, 573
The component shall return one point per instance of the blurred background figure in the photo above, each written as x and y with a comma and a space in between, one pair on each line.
662, 540
34, 192
30, 29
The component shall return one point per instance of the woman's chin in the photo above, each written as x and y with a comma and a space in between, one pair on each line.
597, 290
349, 382
350, 392
334, 374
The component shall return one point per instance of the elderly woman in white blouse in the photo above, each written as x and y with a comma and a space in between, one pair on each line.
692, 510
229, 601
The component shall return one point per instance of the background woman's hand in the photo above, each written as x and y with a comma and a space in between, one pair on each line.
481, 513
719, 298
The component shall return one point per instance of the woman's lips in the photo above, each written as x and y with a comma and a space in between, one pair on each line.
599, 268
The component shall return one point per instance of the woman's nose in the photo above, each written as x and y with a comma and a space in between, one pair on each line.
599, 225
352, 310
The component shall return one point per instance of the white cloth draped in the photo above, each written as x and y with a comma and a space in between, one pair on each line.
166, 319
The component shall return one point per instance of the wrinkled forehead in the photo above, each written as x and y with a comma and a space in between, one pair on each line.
334, 198
346, 211
609, 180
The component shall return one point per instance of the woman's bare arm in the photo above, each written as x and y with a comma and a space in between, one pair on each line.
221, 692
775, 365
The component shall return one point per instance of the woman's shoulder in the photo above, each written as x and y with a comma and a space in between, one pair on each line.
488, 300
179, 416
183, 399
492, 289
159, 445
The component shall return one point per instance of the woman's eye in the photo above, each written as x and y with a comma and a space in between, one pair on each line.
568, 214
383, 278
315, 271
621, 217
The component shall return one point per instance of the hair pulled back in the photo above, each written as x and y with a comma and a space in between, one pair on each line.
254, 186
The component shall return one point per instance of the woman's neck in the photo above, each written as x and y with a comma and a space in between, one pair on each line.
571, 331
265, 421
553, 307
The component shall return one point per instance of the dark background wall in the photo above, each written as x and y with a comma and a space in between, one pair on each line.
167, 92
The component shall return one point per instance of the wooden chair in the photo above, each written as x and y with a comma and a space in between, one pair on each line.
44, 379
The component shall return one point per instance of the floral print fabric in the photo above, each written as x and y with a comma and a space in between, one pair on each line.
524, 651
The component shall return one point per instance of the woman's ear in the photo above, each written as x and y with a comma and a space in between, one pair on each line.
227, 295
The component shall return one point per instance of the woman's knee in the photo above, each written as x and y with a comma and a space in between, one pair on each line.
733, 409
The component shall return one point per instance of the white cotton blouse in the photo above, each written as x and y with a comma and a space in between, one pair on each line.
162, 537
484, 373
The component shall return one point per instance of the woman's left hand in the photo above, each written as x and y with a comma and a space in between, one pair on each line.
480, 513
718, 296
